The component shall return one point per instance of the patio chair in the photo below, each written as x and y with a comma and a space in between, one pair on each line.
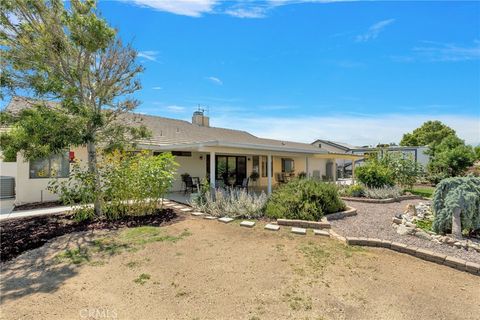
280, 177
189, 185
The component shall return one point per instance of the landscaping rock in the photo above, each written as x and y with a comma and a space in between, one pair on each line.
197, 214
322, 233
225, 219
272, 227
248, 224
296, 230
210, 217
397, 220
404, 230
423, 235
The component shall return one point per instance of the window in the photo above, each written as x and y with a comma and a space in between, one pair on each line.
264, 166
57, 166
288, 165
182, 153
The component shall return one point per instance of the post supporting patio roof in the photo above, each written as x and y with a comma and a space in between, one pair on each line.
269, 173
212, 170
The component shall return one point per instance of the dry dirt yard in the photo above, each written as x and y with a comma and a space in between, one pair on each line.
199, 269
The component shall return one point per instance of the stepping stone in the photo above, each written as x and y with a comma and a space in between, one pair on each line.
186, 209
248, 224
210, 217
178, 207
299, 230
196, 213
272, 227
169, 205
322, 233
225, 219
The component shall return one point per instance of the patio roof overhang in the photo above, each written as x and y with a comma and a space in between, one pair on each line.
209, 146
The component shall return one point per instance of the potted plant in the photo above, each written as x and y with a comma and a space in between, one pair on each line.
254, 176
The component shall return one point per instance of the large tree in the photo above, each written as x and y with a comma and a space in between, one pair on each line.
449, 155
66, 53
429, 134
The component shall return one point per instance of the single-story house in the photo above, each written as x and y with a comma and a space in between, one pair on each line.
223, 156
345, 166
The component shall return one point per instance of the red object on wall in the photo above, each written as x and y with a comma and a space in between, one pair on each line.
71, 156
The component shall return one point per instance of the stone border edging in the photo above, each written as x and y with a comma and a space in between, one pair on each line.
342, 214
322, 224
456, 263
388, 200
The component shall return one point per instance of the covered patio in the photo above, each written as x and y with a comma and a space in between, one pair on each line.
232, 164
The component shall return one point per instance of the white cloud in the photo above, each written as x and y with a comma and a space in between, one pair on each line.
157, 88
235, 8
247, 12
435, 51
215, 80
356, 130
176, 109
374, 30
192, 8
149, 55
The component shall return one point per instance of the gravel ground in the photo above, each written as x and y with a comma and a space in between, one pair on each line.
375, 221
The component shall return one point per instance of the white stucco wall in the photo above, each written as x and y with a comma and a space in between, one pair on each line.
8, 169
193, 165
35, 190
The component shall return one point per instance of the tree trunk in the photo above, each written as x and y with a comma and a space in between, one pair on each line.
92, 168
456, 223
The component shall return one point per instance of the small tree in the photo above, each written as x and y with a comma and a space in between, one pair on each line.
67, 54
460, 194
405, 170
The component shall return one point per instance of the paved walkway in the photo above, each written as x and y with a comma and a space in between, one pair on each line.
34, 212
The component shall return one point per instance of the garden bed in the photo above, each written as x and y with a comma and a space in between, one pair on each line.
388, 200
23, 234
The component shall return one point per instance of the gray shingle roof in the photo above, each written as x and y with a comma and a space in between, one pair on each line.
166, 131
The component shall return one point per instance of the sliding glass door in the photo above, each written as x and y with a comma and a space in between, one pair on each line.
229, 169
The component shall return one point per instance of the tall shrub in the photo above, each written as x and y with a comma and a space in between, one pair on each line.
405, 170
374, 174
453, 193
131, 184
305, 199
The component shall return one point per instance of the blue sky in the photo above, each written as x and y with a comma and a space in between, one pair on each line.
358, 72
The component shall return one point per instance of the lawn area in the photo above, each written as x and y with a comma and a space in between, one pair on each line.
423, 191
198, 269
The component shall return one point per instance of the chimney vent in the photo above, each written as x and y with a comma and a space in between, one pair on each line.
199, 118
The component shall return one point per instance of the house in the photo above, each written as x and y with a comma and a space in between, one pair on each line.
223, 156
345, 167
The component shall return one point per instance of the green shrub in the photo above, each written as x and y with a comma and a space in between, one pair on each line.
355, 190
304, 199
232, 203
385, 192
132, 184
374, 175
453, 193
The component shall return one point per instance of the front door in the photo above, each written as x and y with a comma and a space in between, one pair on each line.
230, 169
